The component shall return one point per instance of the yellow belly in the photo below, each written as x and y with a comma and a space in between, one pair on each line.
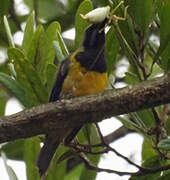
80, 82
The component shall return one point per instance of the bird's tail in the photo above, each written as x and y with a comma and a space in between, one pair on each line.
46, 154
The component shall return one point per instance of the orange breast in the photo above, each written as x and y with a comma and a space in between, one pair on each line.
80, 82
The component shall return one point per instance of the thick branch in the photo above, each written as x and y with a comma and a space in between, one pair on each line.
93, 108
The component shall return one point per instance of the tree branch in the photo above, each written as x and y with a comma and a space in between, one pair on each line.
93, 108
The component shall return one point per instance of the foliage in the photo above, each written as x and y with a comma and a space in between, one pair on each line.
29, 73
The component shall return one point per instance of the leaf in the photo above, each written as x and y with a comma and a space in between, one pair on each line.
51, 35
46, 48
164, 144
127, 30
8, 31
62, 45
164, 48
66, 155
14, 149
23, 66
3, 99
131, 78
10, 171
165, 60
47, 10
31, 150
29, 30
75, 173
87, 173
58, 51
147, 149
14, 88
57, 170
33, 54
112, 47
152, 162
87, 132
141, 13
81, 24
147, 117
164, 177
51, 74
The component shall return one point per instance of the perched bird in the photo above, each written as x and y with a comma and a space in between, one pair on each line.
83, 73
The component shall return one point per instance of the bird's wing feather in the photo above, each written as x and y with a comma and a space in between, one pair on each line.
59, 81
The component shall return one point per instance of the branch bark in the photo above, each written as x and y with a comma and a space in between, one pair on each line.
87, 109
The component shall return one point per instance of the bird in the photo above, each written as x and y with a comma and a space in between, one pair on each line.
84, 72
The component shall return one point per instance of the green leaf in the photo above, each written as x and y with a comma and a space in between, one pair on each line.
127, 30
2, 105
165, 60
164, 177
33, 54
152, 162
127, 122
147, 117
51, 74
24, 67
62, 45
87, 132
59, 53
147, 149
164, 144
13, 87
23, 82
87, 173
164, 48
66, 155
14, 149
131, 78
3, 99
57, 170
47, 10
8, 31
75, 173
112, 47
141, 13
10, 171
29, 30
31, 150
81, 24
51, 35
46, 47
164, 23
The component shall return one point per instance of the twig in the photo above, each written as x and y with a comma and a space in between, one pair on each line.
142, 170
84, 150
145, 171
158, 125
113, 150
90, 166
164, 113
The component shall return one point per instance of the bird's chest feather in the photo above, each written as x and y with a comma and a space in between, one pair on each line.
80, 82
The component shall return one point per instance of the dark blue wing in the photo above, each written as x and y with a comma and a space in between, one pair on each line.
59, 80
